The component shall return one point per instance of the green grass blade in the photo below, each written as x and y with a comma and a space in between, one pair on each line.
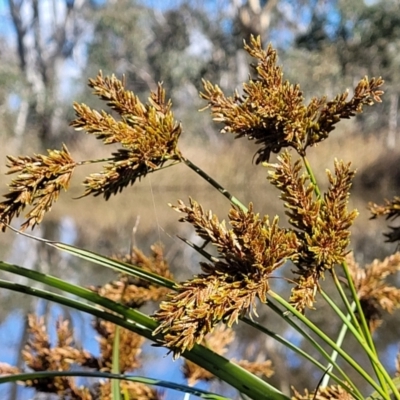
78, 305
317, 347
104, 375
222, 368
126, 312
119, 266
295, 349
328, 341
115, 387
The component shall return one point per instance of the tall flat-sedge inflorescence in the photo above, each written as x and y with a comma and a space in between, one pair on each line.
272, 111
38, 184
148, 135
249, 253
321, 223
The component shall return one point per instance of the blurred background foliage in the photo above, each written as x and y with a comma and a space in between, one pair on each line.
48, 50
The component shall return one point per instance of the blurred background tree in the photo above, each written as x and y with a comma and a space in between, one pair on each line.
48, 50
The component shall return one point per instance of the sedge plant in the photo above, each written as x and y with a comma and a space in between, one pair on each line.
195, 317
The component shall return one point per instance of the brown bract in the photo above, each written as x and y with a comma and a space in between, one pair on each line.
38, 184
272, 112
248, 254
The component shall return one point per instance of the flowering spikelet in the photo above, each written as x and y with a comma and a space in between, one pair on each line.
321, 223
148, 134
39, 182
391, 210
374, 293
326, 393
134, 292
39, 355
249, 253
272, 111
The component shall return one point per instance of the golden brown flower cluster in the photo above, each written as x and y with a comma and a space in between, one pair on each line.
248, 254
391, 210
38, 184
321, 222
375, 294
134, 292
39, 355
148, 134
326, 393
272, 112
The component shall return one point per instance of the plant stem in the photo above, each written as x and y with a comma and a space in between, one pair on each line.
330, 342
215, 184
357, 326
347, 384
382, 374
312, 176
339, 341
317, 346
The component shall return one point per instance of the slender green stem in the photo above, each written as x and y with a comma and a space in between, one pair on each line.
105, 375
199, 249
374, 359
215, 184
115, 384
339, 342
364, 323
329, 341
359, 329
349, 307
312, 176
307, 356
317, 346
